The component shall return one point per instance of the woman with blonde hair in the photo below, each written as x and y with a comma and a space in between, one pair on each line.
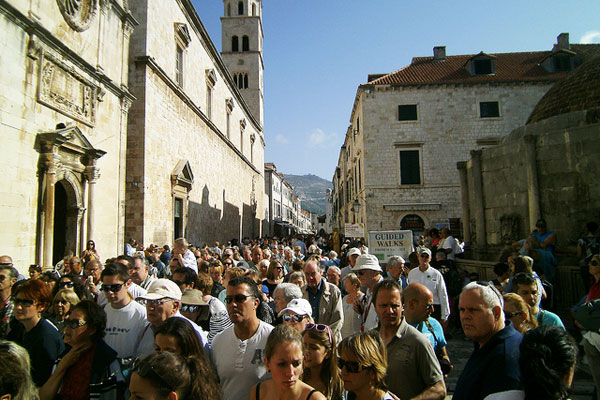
363, 362
320, 361
519, 313
284, 360
61, 305
352, 319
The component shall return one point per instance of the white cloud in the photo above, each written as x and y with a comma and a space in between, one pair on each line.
590, 37
318, 138
281, 139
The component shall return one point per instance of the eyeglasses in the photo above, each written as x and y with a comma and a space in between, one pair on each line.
74, 323
510, 315
238, 298
293, 317
65, 284
144, 369
154, 303
112, 288
191, 308
594, 263
23, 302
319, 328
351, 366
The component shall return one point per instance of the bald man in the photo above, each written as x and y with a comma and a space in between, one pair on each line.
418, 306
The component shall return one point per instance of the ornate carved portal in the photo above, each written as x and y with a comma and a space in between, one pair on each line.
66, 170
78, 13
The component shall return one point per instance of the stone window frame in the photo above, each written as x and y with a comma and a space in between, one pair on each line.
409, 146
182, 181
229, 104
182, 42
211, 81
484, 100
242, 129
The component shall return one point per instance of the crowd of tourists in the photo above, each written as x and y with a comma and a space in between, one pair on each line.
279, 319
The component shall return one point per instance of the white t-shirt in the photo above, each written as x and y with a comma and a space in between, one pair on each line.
450, 243
146, 345
124, 328
134, 290
433, 279
351, 320
240, 364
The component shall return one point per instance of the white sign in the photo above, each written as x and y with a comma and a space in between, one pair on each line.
384, 244
354, 230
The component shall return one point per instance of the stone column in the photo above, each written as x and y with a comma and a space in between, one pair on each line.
92, 175
533, 189
50, 182
83, 211
478, 197
464, 193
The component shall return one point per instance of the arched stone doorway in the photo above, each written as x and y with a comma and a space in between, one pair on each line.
67, 176
414, 223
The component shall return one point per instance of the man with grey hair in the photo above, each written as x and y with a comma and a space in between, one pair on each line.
284, 293
333, 276
139, 271
395, 270
494, 364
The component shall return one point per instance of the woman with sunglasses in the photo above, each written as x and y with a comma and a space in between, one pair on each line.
88, 367
519, 313
320, 361
41, 339
176, 335
363, 362
70, 282
283, 359
297, 314
61, 306
90, 253
275, 275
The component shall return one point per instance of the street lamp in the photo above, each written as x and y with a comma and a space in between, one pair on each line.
356, 206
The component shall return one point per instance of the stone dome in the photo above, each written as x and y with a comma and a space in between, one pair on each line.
579, 91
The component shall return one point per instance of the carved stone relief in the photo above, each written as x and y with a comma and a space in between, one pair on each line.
78, 13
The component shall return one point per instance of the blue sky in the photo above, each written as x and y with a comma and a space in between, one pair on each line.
317, 52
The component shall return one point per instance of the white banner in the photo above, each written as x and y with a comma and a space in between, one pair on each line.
384, 244
354, 230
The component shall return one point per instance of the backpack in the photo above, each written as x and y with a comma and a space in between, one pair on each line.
454, 283
588, 315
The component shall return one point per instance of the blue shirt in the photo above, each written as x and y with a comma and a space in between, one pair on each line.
492, 368
437, 329
314, 298
549, 318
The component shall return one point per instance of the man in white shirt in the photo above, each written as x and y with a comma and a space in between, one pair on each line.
448, 244
183, 256
125, 318
163, 301
369, 272
352, 255
433, 279
238, 351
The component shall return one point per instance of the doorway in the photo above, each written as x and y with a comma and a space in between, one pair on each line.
60, 223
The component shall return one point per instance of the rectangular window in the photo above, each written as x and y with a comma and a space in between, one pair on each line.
178, 218
489, 109
179, 66
359, 176
209, 91
410, 167
407, 112
483, 67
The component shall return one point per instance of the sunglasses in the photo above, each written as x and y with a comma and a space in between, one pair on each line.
74, 323
227, 263
191, 308
65, 284
510, 315
238, 298
319, 328
23, 302
351, 366
594, 263
112, 288
279, 268
294, 317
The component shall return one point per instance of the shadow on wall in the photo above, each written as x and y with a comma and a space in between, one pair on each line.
208, 223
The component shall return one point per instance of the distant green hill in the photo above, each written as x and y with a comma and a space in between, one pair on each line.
311, 190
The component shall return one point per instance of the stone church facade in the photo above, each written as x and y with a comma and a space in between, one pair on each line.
397, 166
63, 120
195, 141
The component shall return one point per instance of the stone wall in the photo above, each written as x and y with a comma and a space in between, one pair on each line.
36, 36
170, 123
564, 150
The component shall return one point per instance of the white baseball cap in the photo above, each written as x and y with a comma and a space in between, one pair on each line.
354, 251
298, 306
161, 288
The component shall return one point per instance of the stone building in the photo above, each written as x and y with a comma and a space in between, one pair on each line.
547, 168
195, 141
63, 120
397, 166
283, 208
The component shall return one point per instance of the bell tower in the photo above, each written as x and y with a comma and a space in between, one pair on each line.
241, 50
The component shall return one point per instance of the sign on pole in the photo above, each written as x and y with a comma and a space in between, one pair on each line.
384, 244
354, 230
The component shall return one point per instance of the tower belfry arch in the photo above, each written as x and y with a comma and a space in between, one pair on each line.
67, 176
